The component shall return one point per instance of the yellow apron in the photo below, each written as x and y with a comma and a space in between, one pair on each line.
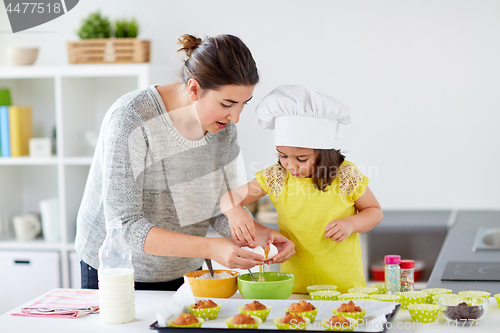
304, 212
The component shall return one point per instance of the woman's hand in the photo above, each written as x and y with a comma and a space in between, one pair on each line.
229, 253
242, 226
338, 230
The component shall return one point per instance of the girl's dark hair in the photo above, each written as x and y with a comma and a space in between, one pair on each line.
327, 164
218, 61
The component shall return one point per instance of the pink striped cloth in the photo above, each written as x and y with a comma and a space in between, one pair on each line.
63, 303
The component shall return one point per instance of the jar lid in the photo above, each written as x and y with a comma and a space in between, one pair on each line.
392, 259
407, 264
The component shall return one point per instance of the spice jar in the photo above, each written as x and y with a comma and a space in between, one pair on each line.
407, 274
392, 274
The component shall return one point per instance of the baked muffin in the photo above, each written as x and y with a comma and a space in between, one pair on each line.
291, 321
337, 320
349, 307
206, 309
349, 310
205, 304
243, 321
185, 320
304, 309
254, 306
339, 323
256, 309
287, 319
301, 306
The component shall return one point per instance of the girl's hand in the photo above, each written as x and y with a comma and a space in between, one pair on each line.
286, 248
338, 230
229, 253
242, 226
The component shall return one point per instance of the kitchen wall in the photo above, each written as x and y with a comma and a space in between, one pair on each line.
421, 78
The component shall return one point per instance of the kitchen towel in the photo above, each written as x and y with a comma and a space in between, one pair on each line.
63, 303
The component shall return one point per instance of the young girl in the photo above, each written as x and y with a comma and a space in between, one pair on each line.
323, 201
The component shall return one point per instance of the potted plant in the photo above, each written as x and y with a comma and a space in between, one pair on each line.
126, 28
96, 46
95, 26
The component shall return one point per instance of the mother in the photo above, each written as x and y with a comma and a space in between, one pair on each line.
164, 157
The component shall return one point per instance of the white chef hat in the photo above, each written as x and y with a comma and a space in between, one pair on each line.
302, 117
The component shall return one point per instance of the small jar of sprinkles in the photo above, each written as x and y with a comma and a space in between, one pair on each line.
407, 274
392, 274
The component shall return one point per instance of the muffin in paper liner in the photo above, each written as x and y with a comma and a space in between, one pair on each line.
200, 322
340, 328
475, 293
438, 296
386, 298
297, 327
262, 314
258, 321
363, 290
352, 296
206, 313
423, 313
318, 287
308, 314
324, 295
435, 291
412, 297
353, 315
497, 298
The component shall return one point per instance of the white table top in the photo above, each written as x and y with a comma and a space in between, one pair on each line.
147, 302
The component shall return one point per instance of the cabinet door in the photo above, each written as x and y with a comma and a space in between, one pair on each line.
27, 275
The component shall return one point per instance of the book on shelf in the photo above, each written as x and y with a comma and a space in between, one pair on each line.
4, 131
21, 130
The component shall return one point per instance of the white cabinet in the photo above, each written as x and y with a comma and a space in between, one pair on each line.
73, 99
26, 275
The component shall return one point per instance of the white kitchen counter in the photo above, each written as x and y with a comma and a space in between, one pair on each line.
147, 302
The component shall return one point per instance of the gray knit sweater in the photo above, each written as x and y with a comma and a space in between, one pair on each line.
145, 173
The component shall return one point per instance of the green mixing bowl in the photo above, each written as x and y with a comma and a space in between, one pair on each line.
277, 286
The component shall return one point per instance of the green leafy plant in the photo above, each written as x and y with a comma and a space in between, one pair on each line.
126, 28
95, 26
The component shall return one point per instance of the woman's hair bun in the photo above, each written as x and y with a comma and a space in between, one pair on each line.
189, 43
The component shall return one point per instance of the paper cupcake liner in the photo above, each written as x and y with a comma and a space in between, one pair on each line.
362, 290
435, 291
475, 293
206, 313
308, 314
412, 297
386, 298
297, 327
352, 296
497, 298
324, 295
438, 296
423, 313
353, 315
319, 287
258, 321
198, 324
381, 288
262, 314
339, 328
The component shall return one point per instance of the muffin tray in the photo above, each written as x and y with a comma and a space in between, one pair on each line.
374, 318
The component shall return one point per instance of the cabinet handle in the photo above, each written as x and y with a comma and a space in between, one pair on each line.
24, 262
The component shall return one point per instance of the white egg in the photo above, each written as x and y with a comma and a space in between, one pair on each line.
259, 250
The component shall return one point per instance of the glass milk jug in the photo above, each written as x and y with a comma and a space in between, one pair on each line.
116, 277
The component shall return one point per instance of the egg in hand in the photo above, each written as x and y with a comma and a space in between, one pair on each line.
268, 252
